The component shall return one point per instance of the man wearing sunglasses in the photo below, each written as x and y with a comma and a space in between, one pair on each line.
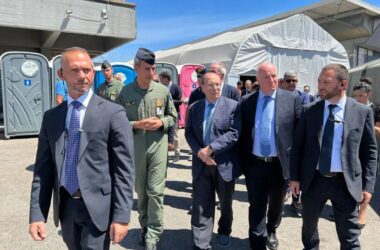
290, 83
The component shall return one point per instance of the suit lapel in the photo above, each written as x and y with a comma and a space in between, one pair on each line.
60, 142
92, 112
349, 120
319, 113
200, 116
252, 111
279, 105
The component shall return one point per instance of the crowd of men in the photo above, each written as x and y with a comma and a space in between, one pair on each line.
93, 151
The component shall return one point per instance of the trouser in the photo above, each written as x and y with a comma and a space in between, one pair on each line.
202, 219
344, 206
266, 188
150, 168
176, 140
78, 230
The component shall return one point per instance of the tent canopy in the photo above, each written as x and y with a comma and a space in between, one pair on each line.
296, 43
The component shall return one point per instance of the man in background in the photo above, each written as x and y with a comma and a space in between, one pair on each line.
111, 87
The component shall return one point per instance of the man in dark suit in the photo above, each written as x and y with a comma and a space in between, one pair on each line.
85, 161
268, 120
176, 93
212, 131
333, 157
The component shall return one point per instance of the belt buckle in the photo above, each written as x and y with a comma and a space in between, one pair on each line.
267, 159
77, 195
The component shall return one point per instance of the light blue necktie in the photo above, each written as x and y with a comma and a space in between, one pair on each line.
266, 126
72, 150
210, 107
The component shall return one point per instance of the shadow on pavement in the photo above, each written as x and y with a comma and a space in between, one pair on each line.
30, 168
178, 202
179, 186
179, 239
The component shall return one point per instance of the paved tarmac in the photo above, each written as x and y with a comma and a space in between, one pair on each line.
16, 163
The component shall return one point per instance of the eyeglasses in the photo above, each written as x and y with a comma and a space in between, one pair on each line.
291, 80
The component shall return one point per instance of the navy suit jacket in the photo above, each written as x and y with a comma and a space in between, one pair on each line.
105, 163
359, 150
225, 129
288, 109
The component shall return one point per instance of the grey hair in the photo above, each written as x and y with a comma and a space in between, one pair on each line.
71, 49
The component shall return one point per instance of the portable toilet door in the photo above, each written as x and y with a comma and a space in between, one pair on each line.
188, 83
125, 72
171, 68
55, 64
26, 92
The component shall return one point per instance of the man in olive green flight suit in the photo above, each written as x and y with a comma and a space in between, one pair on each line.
111, 87
151, 111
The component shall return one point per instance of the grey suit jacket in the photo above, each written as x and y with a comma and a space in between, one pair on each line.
225, 129
287, 112
105, 164
359, 151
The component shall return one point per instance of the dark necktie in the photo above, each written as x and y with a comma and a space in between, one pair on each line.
327, 143
210, 107
72, 150
266, 126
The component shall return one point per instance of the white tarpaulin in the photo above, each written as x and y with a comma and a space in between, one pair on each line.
296, 43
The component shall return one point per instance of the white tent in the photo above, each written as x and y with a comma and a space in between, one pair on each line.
296, 43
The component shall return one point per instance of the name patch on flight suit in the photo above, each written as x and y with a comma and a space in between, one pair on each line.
159, 103
113, 96
130, 103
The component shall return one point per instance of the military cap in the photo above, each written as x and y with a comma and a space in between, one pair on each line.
145, 55
106, 65
200, 72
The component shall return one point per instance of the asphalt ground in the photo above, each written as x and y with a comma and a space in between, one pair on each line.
16, 163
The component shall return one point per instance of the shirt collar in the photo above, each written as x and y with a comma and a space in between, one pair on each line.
262, 95
207, 102
83, 99
341, 103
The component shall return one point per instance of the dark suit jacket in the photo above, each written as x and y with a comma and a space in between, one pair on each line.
225, 129
176, 93
287, 111
105, 164
359, 150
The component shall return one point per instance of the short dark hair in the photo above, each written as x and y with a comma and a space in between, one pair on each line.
363, 86
106, 64
165, 74
341, 72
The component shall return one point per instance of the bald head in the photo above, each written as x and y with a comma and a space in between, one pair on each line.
267, 77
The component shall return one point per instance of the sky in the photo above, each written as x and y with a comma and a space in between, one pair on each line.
163, 24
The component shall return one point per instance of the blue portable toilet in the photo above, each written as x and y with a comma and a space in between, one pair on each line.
125, 71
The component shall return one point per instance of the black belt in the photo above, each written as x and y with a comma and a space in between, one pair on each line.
266, 159
331, 174
76, 196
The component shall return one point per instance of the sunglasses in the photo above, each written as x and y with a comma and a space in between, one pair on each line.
290, 81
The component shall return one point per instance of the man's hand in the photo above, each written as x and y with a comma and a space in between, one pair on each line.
153, 123
366, 197
37, 230
170, 146
205, 152
209, 161
140, 124
294, 187
118, 231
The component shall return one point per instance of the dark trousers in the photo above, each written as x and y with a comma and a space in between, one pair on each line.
266, 192
78, 230
345, 210
202, 219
